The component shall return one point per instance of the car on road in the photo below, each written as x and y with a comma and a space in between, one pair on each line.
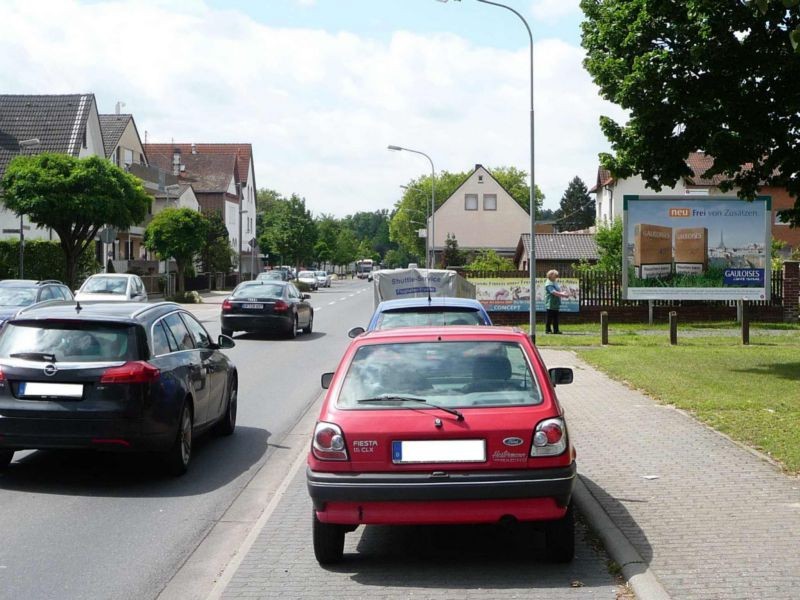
16, 294
308, 278
441, 425
323, 279
267, 306
112, 287
113, 376
274, 275
418, 312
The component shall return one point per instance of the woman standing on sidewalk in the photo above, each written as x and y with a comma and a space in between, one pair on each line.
552, 301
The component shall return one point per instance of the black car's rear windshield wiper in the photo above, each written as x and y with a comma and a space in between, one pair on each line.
44, 356
395, 398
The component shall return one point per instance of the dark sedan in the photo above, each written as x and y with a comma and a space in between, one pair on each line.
267, 306
16, 294
116, 376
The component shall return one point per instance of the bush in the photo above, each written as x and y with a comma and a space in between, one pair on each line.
186, 298
303, 287
43, 260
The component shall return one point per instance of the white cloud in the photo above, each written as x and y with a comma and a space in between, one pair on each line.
553, 10
318, 107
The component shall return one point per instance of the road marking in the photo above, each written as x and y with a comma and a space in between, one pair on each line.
342, 298
331, 303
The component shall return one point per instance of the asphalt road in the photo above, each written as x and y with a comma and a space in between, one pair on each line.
91, 525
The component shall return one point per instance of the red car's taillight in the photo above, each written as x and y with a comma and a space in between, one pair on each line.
328, 442
2, 375
280, 306
549, 438
131, 372
226, 305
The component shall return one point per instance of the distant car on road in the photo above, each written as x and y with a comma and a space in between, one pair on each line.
16, 294
112, 287
308, 278
267, 306
441, 425
323, 278
113, 376
274, 275
418, 312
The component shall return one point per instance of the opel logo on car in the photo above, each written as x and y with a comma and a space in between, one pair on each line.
50, 370
512, 441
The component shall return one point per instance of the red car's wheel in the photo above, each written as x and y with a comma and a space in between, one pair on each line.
560, 538
328, 541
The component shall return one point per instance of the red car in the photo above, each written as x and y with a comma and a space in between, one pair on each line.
441, 425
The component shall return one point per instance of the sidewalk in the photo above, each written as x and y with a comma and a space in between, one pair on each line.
713, 520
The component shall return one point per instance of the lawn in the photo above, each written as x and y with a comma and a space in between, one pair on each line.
751, 393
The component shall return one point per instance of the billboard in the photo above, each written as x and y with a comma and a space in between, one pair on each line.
691, 248
506, 294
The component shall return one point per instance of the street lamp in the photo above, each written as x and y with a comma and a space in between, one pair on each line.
532, 207
431, 261
24, 145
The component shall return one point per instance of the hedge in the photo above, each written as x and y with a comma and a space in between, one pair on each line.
43, 260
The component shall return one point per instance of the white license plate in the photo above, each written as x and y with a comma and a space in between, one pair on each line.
50, 390
258, 306
438, 451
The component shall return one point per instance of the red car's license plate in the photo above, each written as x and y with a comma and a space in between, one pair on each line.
438, 451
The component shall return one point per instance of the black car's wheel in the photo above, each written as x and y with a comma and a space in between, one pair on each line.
227, 424
292, 333
6, 456
560, 538
328, 541
226, 331
310, 327
179, 455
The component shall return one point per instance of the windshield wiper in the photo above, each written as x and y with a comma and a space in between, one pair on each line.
395, 398
34, 356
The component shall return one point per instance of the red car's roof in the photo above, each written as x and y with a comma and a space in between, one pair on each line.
474, 332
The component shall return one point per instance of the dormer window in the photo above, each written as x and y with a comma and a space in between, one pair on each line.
470, 201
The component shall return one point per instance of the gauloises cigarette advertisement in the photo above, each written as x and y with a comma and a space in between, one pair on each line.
692, 248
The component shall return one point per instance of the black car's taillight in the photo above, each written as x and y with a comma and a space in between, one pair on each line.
131, 372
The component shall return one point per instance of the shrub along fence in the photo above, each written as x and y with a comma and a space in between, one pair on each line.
602, 291
42, 259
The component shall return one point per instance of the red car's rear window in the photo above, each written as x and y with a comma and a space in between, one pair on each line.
453, 373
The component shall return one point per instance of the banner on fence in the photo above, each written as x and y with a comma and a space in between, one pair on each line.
506, 294
708, 248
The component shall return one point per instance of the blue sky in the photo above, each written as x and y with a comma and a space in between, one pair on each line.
321, 87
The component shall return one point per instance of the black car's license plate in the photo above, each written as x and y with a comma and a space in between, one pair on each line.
35, 389
253, 306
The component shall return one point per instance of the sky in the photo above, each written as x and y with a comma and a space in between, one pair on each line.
321, 87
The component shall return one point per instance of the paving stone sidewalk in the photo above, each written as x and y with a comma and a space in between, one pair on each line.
713, 520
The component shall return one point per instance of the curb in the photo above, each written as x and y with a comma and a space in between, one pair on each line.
635, 570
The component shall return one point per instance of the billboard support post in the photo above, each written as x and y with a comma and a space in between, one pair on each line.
673, 328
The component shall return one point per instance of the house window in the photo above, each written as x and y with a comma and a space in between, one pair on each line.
480, 178
490, 202
778, 219
127, 157
470, 201
83, 138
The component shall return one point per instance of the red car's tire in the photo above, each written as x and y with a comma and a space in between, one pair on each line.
328, 541
560, 538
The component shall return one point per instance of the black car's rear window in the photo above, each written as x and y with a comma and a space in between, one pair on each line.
259, 290
429, 315
80, 341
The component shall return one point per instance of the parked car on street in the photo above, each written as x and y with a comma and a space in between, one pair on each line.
323, 278
113, 376
274, 275
441, 425
308, 278
16, 294
417, 312
112, 287
267, 306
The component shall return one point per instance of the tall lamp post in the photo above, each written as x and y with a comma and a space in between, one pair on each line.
430, 261
24, 145
532, 208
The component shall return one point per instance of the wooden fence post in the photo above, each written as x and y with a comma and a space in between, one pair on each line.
745, 325
673, 328
604, 328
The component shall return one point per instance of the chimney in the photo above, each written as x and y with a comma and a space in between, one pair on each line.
194, 148
176, 162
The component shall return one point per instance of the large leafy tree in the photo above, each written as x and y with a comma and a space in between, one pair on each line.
289, 230
179, 233
75, 197
217, 254
711, 75
346, 249
577, 207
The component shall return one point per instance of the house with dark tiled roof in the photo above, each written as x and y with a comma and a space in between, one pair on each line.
610, 191
559, 251
223, 177
68, 124
123, 145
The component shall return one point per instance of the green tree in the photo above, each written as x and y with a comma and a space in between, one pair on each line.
290, 230
609, 246
765, 5
699, 75
577, 207
322, 253
346, 250
489, 260
179, 233
75, 197
452, 255
515, 183
217, 254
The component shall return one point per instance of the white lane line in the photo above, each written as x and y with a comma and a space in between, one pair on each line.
351, 295
342, 298
331, 303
